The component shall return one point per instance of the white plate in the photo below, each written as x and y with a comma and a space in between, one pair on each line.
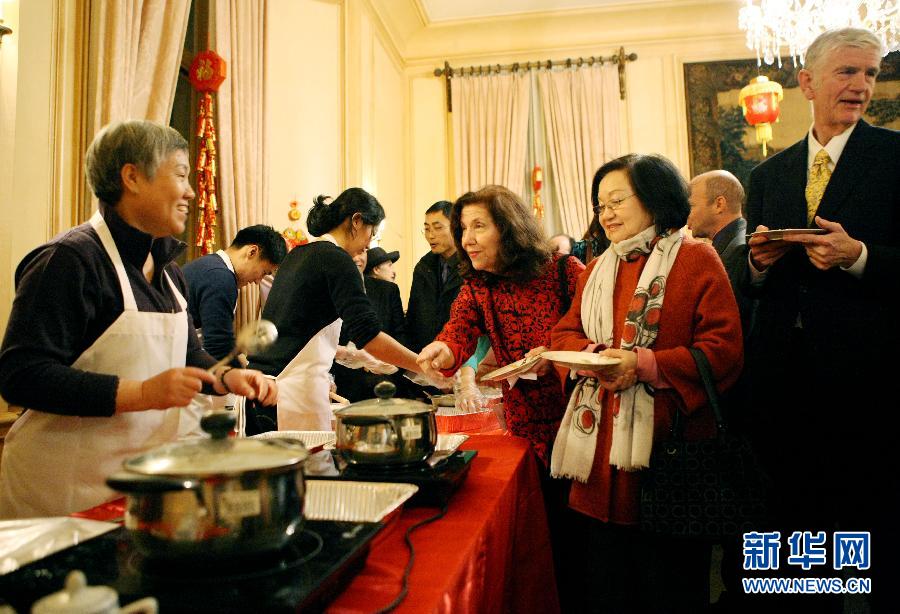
513, 368
310, 439
778, 234
354, 501
580, 360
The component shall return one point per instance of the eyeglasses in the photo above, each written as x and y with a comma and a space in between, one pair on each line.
432, 230
612, 205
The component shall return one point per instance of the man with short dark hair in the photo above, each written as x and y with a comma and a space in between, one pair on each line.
822, 354
215, 279
716, 200
436, 279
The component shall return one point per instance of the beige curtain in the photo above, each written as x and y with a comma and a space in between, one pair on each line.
490, 131
239, 37
581, 114
134, 52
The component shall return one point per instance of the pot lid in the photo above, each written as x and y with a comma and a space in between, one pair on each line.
78, 598
219, 455
385, 404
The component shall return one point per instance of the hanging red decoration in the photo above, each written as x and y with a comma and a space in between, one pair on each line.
759, 101
206, 75
537, 180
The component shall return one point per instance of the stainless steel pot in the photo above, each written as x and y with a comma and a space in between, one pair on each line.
213, 497
385, 431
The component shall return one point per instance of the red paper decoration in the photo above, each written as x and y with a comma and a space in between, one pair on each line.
207, 71
537, 180
206, 75
759, 101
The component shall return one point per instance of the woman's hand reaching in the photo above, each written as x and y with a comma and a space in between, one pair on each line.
434, 357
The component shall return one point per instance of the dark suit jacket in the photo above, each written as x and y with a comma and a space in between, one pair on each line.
731, 245
358, 384
850, 324
429, 300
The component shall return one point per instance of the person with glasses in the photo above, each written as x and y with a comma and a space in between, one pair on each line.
436, 279
647, 299
318, 290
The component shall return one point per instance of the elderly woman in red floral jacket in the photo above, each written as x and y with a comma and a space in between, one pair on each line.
513, 294
652, 295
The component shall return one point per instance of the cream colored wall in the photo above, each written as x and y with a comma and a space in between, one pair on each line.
336, 108
303, 104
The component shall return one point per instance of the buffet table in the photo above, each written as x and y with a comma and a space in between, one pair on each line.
490, 553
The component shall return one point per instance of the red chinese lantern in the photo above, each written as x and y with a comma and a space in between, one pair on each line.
759, 101
206, 75
537, 180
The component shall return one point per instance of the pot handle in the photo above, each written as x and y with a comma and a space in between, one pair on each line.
365, 421
138, 483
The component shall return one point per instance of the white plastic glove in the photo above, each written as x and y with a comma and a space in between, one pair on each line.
468, 396
439, 381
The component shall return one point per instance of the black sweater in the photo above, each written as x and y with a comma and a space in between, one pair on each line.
67, 295
316, 284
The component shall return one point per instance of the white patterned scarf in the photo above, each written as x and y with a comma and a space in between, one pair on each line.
632, 436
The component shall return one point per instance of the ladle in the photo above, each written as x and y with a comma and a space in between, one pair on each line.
253, 338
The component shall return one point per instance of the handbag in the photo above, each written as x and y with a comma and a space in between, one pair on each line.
707, 489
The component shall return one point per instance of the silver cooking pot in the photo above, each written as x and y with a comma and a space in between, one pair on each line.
385, 431
214, 497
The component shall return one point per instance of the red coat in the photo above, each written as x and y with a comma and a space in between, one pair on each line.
517, 316
699, 310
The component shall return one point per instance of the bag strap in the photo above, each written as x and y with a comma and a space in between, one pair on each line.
709, 384
565, 299
676, 432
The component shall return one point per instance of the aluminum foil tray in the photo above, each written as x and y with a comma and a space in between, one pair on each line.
447, 443
354, 501
311, 439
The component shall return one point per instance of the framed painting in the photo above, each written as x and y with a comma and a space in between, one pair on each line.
718, 135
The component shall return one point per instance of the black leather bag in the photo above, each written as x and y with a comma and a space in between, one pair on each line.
708, 489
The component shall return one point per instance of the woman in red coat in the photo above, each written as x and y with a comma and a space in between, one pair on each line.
513, 294
652, 295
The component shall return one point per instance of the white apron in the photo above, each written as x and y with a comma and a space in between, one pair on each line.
303, 385
55, 465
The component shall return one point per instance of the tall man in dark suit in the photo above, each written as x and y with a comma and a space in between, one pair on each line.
822, 355
716, 201
436, 279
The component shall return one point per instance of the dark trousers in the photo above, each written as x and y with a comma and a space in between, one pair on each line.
827, 441
618, 568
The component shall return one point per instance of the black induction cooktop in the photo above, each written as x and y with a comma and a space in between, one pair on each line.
304, 576
436, 483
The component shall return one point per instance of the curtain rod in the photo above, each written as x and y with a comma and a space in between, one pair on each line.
620, 58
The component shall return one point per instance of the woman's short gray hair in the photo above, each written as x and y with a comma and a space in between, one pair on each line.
140, 142
827, 42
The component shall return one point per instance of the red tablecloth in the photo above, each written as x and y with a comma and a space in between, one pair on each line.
490, 553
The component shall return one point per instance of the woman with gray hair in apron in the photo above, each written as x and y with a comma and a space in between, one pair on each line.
99, 348
318, 290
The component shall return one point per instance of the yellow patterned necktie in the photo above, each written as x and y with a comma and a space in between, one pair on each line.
819, 174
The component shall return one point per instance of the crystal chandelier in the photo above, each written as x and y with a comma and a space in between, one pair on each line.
773, 24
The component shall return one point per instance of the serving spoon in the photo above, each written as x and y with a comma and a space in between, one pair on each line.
254, 337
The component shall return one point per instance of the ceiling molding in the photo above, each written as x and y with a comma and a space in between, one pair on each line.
400, 19
538, 35
609, 7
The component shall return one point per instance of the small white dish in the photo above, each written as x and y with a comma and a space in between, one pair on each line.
778, 234
513, 368
580, 360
